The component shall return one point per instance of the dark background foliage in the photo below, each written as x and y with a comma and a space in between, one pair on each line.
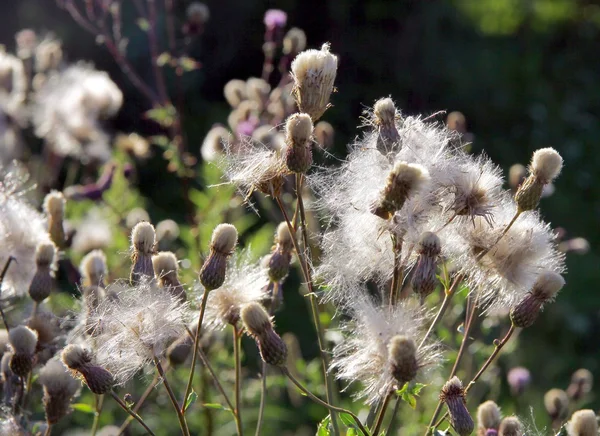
524, 72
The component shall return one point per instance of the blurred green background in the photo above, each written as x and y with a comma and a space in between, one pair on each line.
524, 72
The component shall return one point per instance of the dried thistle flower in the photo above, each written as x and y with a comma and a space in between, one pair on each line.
80, 360
54, 206
511, 426
581, 384
488, 416
42, 282
166, 271
259, 325
23, 342
453, 394
93, 268
281, 254
314, 72
298, 139
294, 41
235, 92
385, 116
167, 231
545, 166
424, 277
59, 389
143, 242
556, 403
403, 359
583, 423
222, 244
547, 285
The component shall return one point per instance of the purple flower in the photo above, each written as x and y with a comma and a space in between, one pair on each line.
245, 128
491, 432
518, 379
275, 18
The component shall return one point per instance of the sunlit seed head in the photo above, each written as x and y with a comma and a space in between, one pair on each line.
516, 174
429, 244
294, 41
581, 384
75, 356
547, 285
453, 394
135, 216
546, 164
165, 263
54, 204
93, 268
488, 415
583, 423
235, 92
23, 340
385, 111
324, 134
224, 238
143, 238
511, 426
403, 359
44, 254
256, 319
213, 145
556, 403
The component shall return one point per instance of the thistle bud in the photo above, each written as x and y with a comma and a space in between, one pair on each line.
324, 134
545, 166
258, 90
93, 268
23, 342
167, 231
403, 181
136, 216
556, 403
59, 388
78, 359
298, 139
314, 72
214, 143
403, 359
42, 281
453, 395
511, 426
281, 256
258, 324
143, 243
222, 244
54, 206
547, 285
294, 41
488, 417
581, 384
583, 423
385, 120
235, 92
178, 351
424, 277
166, 270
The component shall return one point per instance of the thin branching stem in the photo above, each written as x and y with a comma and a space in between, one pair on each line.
263, 396
99, 402
180, 416
2, 275
48, 431
238, 379
394, 417
381, 415
141, 401
126, 408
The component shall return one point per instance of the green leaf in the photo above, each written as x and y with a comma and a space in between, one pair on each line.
323, 429
417, 388
191, 399
143, 24
188, 64
215, 406
163, 59
351, 432
162, 115
348, 420
82, 407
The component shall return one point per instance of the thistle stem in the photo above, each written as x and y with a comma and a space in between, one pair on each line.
392, 423
99, 400
180, 416
263, 395
396, 278
139, 403
131, 412
379, 421
2, 275
48, 431
238, 380
317, 400
188, 388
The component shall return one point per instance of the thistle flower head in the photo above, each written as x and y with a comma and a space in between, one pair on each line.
281, 254
75, 356
556, 403
235, 92
93, 268
45, 254
546, 164
324, 134
294, 41
314, 72
518, 379
256, 320
259, 325
379, 348
23, 340
166, 271
224, 238
54, 204
453, 394
488, 415
298, 139
511, 426
385, 111
581, 384
143, 238
583, 423
222, 244
59, 389
80, 360
547, 285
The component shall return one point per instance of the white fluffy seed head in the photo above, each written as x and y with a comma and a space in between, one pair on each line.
235, 92
385, 111
143, 237
45, 253
429, 244
556, 403
488, 415
93, 266
224, 238
453, 388
583, 423
58, 380
511, 426
294, 41
283, 236
23, 339
54, 204
164, 263
298, 130
547, 285
401, 347
214, 143
546, 164
256, 319
74, 356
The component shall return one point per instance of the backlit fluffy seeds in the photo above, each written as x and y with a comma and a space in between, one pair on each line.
385, 120
45, 253
98, 379
488, 416
93, 268
511, 426
546, 164
294, 41
223, 241
547, 285
581, 384
54, 206
235, 92
42, 281
298, 138
583, 423
281, 255
166, 270
314, 72
23, 342
213, 145
258, 324
256, 319
556, 403
143, 243
453, 395
59, 388
403, 181
224, 238
403, 359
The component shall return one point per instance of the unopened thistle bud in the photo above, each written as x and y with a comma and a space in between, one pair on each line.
93, 268
385, 120
235, 92
581, 384
258, 324
453, 395
402, 353
511, 426
424, 277
166, 270
547, 285
298, 139
488, 417
54, 206
59, 388
545, 166
314, 72
42, 281
281, 256
294, 41
556, 403
403, 181
583, 423
23, 342
143, 243
222, 244
78, 359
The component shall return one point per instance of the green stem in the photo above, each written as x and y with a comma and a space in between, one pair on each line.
137, 417
317, 400
238, 380
188, 389
379, 421
99, 400
263, 396
48, 431
392, 423
139, 403
180, 416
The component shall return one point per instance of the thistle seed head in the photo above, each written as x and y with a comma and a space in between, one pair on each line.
429, 244
385, 111
59, 388
403, 359
283, 237
511, 426
529, 194
41, 285
294, 41
556, 403
224, 239
167, 231
44, 254
143, 238
324, 134
314, 72
547, 286
23, 340
75, 357
298, 139
54, 205
256, 319
453, 395
98, 379
546, 164
488, 416
258, 324
524, 313
214, 269
93, 268
385, 114
581, 384
583, 423
258, 90
279, 265
166, 272
214, 143
235, 92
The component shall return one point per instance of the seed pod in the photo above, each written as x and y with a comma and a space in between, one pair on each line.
583, 423
298, 140
488, 416
98, 379
42, 282
223, 242
545, 166
258, 324
143, 244
511, 426
93, 268
547, 285
165, 270
453, 395
385, 120
556, 403
59, 388
294, 41
54, 206
403, 359
281, 256
424, 277
23, 342
235, 92
581, 384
